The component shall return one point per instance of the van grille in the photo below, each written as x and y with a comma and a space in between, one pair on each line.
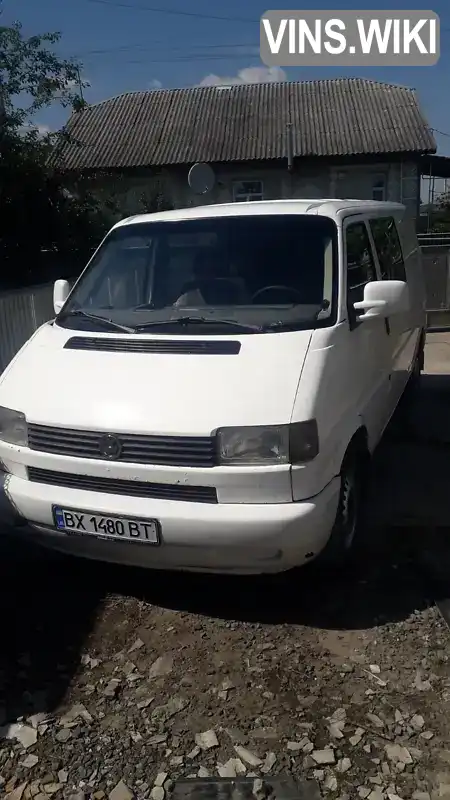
156, 491
169, 346
175, 451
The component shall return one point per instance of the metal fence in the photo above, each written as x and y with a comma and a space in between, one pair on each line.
435, 249
21, 313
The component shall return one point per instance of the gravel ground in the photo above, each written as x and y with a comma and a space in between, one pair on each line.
117, 683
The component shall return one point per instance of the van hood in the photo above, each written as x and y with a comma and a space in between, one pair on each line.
154, 392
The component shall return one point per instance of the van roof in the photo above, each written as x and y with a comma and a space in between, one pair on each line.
325, 207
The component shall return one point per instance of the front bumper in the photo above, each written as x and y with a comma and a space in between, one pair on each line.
223, 538
10, 517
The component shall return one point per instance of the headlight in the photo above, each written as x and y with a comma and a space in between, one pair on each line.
13, 427
261, 445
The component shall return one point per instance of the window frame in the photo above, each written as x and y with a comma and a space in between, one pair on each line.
383, 275
379, 179
332, 269
245, 197
349, 222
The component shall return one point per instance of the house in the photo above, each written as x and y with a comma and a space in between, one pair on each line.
347, 138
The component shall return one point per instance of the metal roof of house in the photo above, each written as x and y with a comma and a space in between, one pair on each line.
247, 122
435, 166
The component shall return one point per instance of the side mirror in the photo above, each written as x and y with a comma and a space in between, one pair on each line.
383, 299
61, 291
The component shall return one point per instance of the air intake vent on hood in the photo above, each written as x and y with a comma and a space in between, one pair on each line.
170, 346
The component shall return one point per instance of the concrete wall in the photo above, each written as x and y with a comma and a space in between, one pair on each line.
354, 181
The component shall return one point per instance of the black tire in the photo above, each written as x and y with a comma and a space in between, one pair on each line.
345, 537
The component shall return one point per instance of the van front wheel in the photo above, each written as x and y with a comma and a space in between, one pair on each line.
347, 526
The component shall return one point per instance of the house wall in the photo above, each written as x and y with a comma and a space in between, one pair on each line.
402, 181
309, 180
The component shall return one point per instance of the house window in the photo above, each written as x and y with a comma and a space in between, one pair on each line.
244, 191
379, 188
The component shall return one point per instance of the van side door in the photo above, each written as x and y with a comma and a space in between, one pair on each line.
368, 368
403, 334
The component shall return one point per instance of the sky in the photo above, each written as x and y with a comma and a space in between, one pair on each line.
134, 45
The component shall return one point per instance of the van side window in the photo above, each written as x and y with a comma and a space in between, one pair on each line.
360, 262
388, 247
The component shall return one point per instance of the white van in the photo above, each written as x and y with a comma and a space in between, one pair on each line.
212, 388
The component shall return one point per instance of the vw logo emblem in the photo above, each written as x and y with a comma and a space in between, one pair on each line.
110, 447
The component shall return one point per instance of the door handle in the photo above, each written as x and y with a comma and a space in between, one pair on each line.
387, 325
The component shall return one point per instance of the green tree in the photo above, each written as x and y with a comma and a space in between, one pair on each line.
41, 214
155, 199
439, 219
32, 76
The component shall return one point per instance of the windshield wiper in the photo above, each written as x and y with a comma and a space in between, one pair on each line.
200, 321
86, 315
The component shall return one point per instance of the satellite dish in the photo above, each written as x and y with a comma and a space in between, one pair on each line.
201, 178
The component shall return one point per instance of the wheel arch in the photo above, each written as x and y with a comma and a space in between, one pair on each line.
358, 446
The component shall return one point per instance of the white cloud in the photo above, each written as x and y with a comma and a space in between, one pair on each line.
155, 84
42, 130
247, 75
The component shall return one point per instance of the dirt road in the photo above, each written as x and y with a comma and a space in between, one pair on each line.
115, 683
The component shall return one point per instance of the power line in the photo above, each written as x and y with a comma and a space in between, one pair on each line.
190, 59
149, 47
174, 12
171, 11
441, 133
194, 14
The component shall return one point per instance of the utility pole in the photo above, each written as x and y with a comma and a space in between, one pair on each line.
80, 84
2, 103
289, 145
3, 115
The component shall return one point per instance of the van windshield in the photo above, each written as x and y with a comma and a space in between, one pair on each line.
258, 273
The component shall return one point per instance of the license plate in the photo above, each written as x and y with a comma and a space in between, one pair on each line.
130, 529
